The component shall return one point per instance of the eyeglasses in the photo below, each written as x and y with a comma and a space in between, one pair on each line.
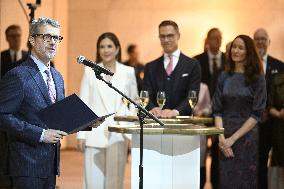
169, 37
47, 37
261, 39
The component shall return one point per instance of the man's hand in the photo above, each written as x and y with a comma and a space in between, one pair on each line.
167, 113
53, 136
81, 144
156, 111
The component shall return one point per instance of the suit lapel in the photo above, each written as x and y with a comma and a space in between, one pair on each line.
178, 70
104, 93
160, 75
207, 66
35, 73
119, 80
9, 56
58, 85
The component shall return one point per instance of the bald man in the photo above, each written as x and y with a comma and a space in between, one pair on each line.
271, 66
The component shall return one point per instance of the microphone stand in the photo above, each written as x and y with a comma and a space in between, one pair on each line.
142, 113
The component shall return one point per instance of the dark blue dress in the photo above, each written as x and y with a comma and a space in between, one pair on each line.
235, 101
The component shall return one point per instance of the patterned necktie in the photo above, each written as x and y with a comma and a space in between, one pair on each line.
169, 68
50, 87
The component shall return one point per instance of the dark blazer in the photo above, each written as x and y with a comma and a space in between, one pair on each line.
186, 76
206, 77
6, 61
6, 65
273, 67
23, 93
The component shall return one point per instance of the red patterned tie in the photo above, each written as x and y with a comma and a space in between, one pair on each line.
50, 87
169, 68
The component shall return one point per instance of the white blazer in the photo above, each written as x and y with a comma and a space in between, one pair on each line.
104, 100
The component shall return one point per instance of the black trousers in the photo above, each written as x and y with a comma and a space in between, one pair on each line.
202, 176
34, 182
265, 136
215, 163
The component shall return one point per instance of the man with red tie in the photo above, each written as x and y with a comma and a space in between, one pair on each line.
173, 72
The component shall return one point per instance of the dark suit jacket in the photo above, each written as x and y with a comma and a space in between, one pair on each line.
6, 61
23, 93
6, 65
206, 77
186, 76
273, 67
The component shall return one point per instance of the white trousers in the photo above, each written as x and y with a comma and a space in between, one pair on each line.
104, 167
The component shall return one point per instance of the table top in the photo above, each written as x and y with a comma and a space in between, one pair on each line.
155, 129
177, 120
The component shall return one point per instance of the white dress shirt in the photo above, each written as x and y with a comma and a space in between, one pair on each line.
264, 63
218, 58
19, 55
175, 55
42, 67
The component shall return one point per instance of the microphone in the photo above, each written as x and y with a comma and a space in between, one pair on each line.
94, 66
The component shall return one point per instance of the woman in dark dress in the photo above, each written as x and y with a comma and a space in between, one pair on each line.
238, 103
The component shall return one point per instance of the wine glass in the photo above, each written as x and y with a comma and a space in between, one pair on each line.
192, 100
161, 99
144, 98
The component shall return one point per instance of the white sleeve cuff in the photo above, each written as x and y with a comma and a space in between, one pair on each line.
81, 135
42, 136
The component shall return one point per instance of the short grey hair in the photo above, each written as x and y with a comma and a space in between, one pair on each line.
36, 23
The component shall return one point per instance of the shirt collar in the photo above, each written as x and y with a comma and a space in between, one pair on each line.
176, 54
264, 58
41, 66
211, 55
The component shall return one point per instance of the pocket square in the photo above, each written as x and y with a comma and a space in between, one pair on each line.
184, 75
274, 71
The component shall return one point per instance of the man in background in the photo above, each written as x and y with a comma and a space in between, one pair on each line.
212, 62
9, 59
271, 66
13, 55
133, 61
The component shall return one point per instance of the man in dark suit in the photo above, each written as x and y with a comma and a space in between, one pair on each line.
271, 66
212, 62
173, 72
133, 60
26, 89
12, 56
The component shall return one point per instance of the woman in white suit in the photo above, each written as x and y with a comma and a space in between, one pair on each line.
105, 153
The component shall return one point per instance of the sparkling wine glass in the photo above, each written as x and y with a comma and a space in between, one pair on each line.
161, 99
192, 100
144, 98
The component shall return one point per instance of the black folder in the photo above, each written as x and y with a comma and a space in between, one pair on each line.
69, 115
